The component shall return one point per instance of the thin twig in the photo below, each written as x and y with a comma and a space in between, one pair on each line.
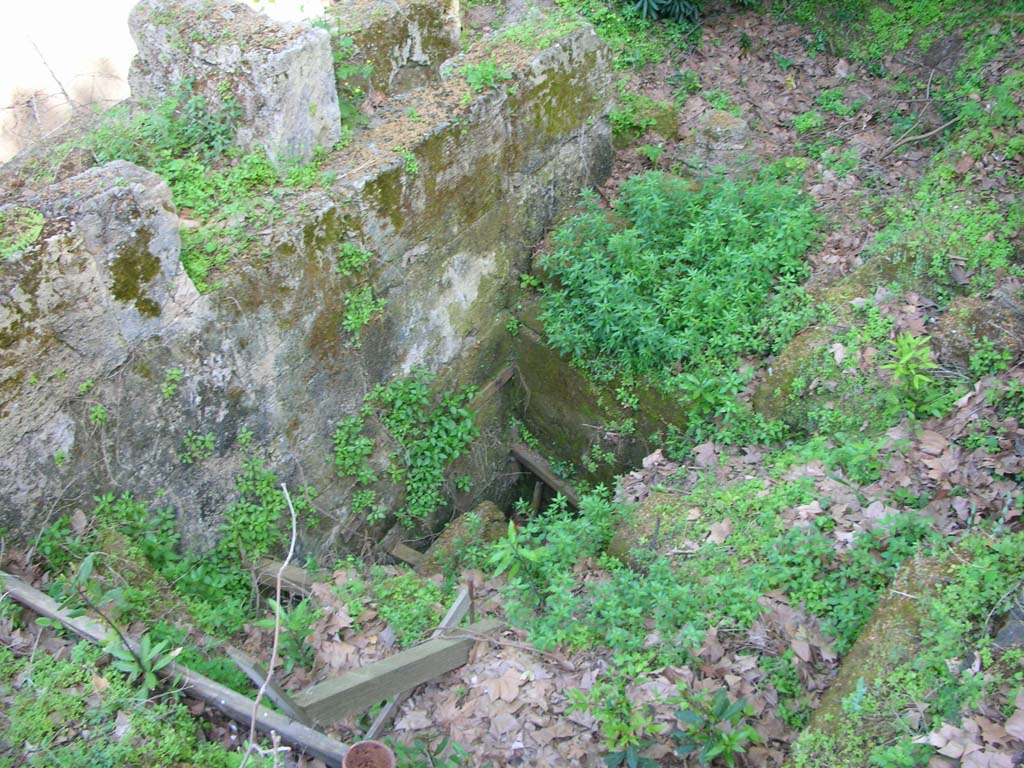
277, 630
920, 137
70, 101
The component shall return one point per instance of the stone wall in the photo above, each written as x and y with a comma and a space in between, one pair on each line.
98, 311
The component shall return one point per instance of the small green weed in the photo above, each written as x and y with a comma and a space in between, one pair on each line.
808, 121
20, 227
296, 626
98, 415
360, 309
987, 360
624, 725
713, 727
834, 102
635, 114
197, 447
142, 664
485, 75
412, 165
410, 605
172, 378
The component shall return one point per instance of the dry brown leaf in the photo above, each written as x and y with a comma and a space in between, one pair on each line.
414, 720
705, 456
505, 687
720, 531
1015, 724
79, 523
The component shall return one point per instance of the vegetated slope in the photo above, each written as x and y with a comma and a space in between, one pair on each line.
888, 432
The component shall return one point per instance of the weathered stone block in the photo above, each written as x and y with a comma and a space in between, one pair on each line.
281, 74
403, 42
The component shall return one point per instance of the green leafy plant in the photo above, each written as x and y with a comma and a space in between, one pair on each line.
911, 360
635, 114
412, 165
679, 11
410, 605
509, 555
652, 153
172, 378
808, 121
485, 75
834, 101
360, 309
98, 415
20, 227
351, 77
679, 274
197, 447
624, 725
143, 662
419, 754
987, 360
713, 727
296, 625
351, 259
351, 451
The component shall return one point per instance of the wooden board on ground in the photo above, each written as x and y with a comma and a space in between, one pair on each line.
406, 554
295, 579
234, 705
359, 689
537, 464
463, 602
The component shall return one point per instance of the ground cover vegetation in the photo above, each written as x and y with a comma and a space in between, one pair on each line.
710, 636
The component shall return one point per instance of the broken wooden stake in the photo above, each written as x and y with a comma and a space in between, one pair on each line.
539, 466
234, 705
360, 689
257, 672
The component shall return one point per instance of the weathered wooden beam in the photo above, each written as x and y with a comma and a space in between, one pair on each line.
360, 689
539, 466
257, 672
295, 579
406, 554
491, 388
455, 614
234, 705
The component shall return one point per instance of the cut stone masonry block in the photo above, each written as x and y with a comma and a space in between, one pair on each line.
281, 74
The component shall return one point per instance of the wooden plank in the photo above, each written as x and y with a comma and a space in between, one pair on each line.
257, 672
359, 689
491, 388
234, 705
295, 579
537, 464
455, 614
406, 554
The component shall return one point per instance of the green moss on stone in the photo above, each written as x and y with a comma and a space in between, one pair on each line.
133, 268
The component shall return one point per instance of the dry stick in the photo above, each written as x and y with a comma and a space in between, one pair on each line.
277, 630
52, 73
921, 137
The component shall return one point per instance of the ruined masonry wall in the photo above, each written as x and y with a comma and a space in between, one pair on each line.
102, 298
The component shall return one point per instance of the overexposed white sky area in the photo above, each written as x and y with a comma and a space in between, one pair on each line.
87, 45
